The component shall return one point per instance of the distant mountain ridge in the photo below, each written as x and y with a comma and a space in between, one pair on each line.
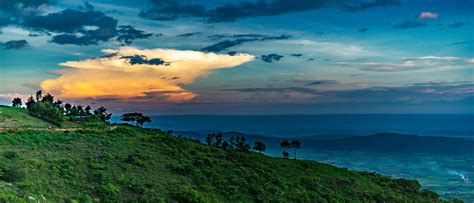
380, 142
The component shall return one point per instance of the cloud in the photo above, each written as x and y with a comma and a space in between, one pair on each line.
189, 34
131, 73
409, 24
240, 39
456, 25
414, 93
127, 34
321, 82
24, 6
174, 9
407, 64
85, 26
363, 30
76, 27
15, 44
462, 42
427, 15
270, 58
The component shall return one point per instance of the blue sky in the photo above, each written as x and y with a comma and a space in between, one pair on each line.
242, 57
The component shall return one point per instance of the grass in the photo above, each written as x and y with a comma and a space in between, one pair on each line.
19, 118
129, 164
132, 164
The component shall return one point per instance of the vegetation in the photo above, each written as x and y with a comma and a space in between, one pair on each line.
138, 118
125, 163
53, 111
134, 164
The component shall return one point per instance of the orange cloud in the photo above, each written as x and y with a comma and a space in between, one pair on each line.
120, 76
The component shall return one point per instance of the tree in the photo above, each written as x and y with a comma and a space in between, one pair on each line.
102, 114
285, 154
30, 102
240, 143
295, 145
138, 118
225, 145
39, 94
210, 139
259, 146
285, 145
16, 102
48, 98
218, 139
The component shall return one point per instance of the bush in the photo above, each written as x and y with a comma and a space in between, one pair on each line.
188, 195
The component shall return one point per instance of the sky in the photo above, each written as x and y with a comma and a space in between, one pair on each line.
242, 57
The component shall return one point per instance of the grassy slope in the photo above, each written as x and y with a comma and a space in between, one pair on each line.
138, 164
19, 118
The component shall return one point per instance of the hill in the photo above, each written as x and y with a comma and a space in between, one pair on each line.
19, 118
133, 164
399, 143
381, 142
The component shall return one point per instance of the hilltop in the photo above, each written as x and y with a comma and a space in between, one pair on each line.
19, 118
133, 164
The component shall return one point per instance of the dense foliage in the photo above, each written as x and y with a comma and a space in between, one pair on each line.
53, 111
133, 164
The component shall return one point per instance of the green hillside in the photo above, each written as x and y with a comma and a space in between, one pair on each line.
133, 164
19, 118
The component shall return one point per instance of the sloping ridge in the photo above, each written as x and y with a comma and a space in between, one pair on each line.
11, 117
393, 142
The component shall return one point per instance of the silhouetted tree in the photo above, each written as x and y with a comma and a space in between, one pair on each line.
285, 154
232, 142
225, 145
48, 98
240, 143
67, 108
259, 146
285, 145
30, 102
295, 145
210, 139
16, 102
138, 118
218, 139
102, 114
39, 94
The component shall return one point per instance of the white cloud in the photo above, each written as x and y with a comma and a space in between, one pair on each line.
418, 63
115, 76
428, 15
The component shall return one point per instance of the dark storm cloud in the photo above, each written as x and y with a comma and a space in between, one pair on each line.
240, 39
127, 34
15, 44
84, 26
138, 59
77, 27
189, 34
409, 24
173, 9
270, 58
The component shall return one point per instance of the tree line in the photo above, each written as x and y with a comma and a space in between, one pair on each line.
55, 111
238, 142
